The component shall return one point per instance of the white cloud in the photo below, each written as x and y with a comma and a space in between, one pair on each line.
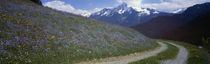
132, 3
59, 5
168, 6
174, 4
62, 6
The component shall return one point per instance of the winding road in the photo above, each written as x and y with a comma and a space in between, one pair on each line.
180, 59
129, 58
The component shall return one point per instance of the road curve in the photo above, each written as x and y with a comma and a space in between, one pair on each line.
129, 58
181, 58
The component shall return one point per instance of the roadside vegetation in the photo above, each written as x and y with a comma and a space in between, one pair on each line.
206, 43
32, 34
169, 53
197, 55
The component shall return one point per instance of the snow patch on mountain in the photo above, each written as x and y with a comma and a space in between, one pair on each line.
121, 9
126, 16
178, 11
155, 12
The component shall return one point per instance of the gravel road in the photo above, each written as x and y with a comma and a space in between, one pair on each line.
129, 58
181, 58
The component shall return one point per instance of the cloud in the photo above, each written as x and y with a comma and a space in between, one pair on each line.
166, 6
174, 4
131, 3
62, 6
59, 5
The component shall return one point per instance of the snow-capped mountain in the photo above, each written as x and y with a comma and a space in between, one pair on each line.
126, 16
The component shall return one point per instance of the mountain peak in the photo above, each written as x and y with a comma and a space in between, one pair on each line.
126, 16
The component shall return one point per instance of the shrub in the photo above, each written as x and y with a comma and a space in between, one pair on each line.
206, 43
37, 2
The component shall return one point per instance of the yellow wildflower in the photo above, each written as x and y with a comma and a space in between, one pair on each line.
54, 54
3, 15
52, 37
81, 31
197, 56
19, 45
89, 51
73, 40
18, 21
64, 37
20, 14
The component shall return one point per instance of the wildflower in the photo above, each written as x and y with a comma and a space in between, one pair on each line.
52, 37
73, 40
89, 51
71, 31
81, 30
29, 61
54, 54
18, 21
46, 50
73, 56
3, 15
197, 56
17, 37
6, 57
20, 14
27, 22
64, 37
19, 45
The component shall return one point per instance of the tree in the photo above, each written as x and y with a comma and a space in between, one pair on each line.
206, 43
37, 1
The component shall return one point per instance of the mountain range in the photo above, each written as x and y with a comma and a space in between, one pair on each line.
126, 16
190, 26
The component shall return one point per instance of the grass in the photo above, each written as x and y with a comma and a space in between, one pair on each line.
169, 53
31, 34
197, 55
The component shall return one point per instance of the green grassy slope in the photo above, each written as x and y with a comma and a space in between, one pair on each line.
197, 55
30, 33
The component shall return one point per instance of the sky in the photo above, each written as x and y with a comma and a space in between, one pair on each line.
86, 7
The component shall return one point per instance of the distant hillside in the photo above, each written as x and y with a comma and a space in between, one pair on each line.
126, 16
161, 26
193, 32
33, 34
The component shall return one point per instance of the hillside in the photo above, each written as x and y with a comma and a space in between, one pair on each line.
165, 27
193, 32
30, 33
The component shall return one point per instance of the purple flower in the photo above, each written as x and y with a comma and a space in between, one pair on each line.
45, 31
17, 37
8, 43
35, 47
46, 50
76, 41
